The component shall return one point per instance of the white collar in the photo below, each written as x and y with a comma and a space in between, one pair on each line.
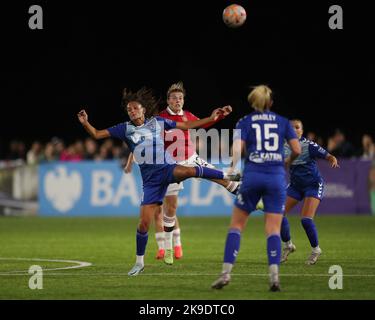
180, 113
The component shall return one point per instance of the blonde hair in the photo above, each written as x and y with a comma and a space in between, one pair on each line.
176, 87
260, 98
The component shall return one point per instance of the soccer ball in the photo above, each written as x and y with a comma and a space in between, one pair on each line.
234, 16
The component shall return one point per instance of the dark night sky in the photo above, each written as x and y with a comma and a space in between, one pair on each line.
88, 53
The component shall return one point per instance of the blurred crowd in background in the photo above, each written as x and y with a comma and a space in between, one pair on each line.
58, 150
89, 149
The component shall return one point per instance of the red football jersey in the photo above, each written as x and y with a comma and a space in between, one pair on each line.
185, 143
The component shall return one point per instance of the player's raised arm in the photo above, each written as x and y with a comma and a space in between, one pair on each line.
93, 132
332, 160
202, 122
226, 110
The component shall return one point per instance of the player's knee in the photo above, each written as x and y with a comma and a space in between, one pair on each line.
171, 209
143, 225
189, 172
193, 171
158, 215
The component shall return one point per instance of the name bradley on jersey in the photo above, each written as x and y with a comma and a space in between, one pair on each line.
263, 116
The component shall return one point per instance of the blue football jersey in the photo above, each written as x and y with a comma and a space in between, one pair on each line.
304, 170
146, 142
264, 135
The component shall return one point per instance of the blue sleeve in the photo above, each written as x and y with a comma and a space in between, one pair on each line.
316, 151
241, 131
289, 132
168, 124
118, 131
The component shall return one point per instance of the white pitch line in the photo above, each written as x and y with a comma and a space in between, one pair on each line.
79, 264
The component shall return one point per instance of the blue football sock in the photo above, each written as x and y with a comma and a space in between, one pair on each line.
285, 230
208, 173
311, 232
274, 249
141, 242
232, 246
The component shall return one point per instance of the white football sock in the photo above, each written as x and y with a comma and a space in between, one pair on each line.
160, 239
274, 273
168, 222
168, 240
140, 260
177, 237
227, 267
316, 249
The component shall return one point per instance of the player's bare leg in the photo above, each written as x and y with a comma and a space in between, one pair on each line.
231, 186
182, 173
159, 234
309, 208
146, 216
288, 245
232, 245
272, 229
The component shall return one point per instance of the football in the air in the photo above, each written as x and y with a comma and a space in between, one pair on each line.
234, 16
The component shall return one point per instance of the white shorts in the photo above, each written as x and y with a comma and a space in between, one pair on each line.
193, 161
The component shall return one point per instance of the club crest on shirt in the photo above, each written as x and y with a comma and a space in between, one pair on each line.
151, 125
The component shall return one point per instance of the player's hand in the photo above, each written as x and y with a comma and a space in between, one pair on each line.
226, 110
215, 115
82, 116
333, 161
128, 168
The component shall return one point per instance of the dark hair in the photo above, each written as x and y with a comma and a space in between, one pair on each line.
144, 97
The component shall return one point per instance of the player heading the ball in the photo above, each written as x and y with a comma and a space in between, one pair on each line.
144, 132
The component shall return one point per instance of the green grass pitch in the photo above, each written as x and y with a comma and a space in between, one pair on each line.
109, 244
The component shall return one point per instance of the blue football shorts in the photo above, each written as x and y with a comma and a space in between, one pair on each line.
314, 190
268, 186
155, 188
